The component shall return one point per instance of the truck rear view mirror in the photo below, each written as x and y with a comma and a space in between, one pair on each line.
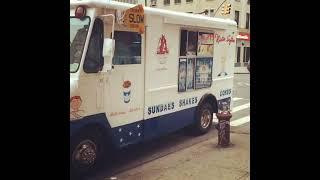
108, 50
108, 47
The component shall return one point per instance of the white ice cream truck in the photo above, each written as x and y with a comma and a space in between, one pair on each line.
137, 73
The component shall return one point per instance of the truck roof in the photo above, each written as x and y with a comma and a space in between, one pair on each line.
172, 16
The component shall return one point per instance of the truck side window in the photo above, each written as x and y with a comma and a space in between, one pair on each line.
183, 42
94, 59
192, 43
127, 48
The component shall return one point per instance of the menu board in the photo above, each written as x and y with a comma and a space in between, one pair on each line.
205, 44
190, 73
203, 74
182, 74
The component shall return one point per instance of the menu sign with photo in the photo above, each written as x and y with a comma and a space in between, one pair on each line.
190, 73
205, 44
182, 75
203, 75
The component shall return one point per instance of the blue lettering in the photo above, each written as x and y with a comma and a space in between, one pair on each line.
149, 110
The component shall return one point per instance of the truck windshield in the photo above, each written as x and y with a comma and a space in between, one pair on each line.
78, 34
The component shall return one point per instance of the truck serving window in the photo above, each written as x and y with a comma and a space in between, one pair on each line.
78, 34
188, 43
127, 48
196, 59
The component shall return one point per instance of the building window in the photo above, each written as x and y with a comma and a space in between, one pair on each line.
189, 1
177, 1
166, 2
211, 12
153, 3
236, 17
248, 21
246, 55
248, 1
188, 43
127, 48
237, 0
206, 12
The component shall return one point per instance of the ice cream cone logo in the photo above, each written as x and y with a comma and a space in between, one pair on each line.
162, 49
126, 91
162, 46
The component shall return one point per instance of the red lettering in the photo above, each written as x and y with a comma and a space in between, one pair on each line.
219, 38
230, 39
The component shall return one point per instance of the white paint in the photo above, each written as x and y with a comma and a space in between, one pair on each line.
236, 99
164, 88
243, 84
240, 121
239, 108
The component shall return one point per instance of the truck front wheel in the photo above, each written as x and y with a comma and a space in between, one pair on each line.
86, 151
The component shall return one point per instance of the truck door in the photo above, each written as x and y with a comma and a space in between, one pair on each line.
125, 86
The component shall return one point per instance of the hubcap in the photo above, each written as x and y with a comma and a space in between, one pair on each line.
205, 118
85, 153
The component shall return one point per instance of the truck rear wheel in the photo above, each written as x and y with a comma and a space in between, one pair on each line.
204, 119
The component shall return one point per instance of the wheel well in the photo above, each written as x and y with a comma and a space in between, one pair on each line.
95, 128
211, 99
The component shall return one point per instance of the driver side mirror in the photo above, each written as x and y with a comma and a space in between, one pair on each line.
108, 51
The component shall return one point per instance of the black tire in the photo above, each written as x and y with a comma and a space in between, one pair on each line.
203, 126
89, 142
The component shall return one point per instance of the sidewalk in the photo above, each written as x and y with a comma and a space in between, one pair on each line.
203, 161
241, 70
